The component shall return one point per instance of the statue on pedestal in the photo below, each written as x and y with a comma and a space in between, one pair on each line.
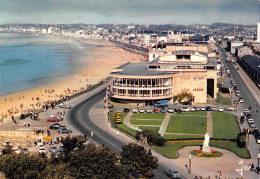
205, 147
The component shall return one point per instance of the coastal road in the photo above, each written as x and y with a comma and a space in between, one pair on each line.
85, 117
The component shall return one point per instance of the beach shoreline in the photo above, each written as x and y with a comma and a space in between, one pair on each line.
101, 59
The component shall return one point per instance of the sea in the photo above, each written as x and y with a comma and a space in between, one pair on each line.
28, 60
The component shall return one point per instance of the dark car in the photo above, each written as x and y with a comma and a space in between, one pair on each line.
177, 110
208, 108
126, 109
163, 110
64, 130
56, 126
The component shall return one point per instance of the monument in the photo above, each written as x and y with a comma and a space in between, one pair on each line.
205, 147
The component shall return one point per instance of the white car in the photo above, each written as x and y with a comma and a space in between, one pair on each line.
192, 109
141, 110
135, 110
17, 150
42, 150
185, 109
170, 110
258, 140
220, 109
64, 105
241, 100
246, 110
148, 110
6, 143
202, 108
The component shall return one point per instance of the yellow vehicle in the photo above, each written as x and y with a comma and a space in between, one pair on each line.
118, 117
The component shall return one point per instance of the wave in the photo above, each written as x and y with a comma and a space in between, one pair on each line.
13, 62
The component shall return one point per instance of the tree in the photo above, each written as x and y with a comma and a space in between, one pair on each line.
135, 157
183, 96
70, 144
95, 162
22, 166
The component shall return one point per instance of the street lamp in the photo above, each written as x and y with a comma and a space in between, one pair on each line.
190, 164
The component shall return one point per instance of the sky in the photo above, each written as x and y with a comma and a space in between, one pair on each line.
129, 11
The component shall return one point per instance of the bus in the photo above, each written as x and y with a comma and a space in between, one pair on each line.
118, 117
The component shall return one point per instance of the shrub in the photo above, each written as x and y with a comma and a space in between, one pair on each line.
241, 140
152, 137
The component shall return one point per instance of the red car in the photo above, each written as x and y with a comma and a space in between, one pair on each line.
156, 110
53, 119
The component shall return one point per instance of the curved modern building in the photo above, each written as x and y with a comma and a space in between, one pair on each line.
166, 76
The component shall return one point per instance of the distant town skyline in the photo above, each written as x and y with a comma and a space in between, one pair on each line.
126, 11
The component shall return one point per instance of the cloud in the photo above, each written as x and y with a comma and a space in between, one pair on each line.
124, 11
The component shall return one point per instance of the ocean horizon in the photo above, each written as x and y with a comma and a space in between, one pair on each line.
28, 61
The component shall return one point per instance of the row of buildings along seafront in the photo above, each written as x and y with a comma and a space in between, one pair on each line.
172, 68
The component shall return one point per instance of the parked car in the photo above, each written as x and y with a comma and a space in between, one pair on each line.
141, 110
163, 110
197, 108
156, 110
53, 149
241, 100
230, 108
220, 109
192, 109
64, 130
172, 173
53, 119
135, 110
7, 143
185, 109
170, 110
25, 151
64, 105
178, 110
42, 150
214, 108
17, 150
148, 110
246, 111
258, 139
56, 126
249, 116
202, 108
126, 109
252, 124
57, 116
208, 108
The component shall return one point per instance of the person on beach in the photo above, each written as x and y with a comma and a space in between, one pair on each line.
24, 123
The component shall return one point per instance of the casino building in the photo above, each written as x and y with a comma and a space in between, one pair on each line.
167, 74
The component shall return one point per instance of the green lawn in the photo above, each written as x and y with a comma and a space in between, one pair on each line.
122, 126
145, 122
225, 126
195, 113
232, 146
155, 129
223, 100
148, 116
187, 124
177, 136
169, 150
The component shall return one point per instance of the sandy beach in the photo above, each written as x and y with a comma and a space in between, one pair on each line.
101, 60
